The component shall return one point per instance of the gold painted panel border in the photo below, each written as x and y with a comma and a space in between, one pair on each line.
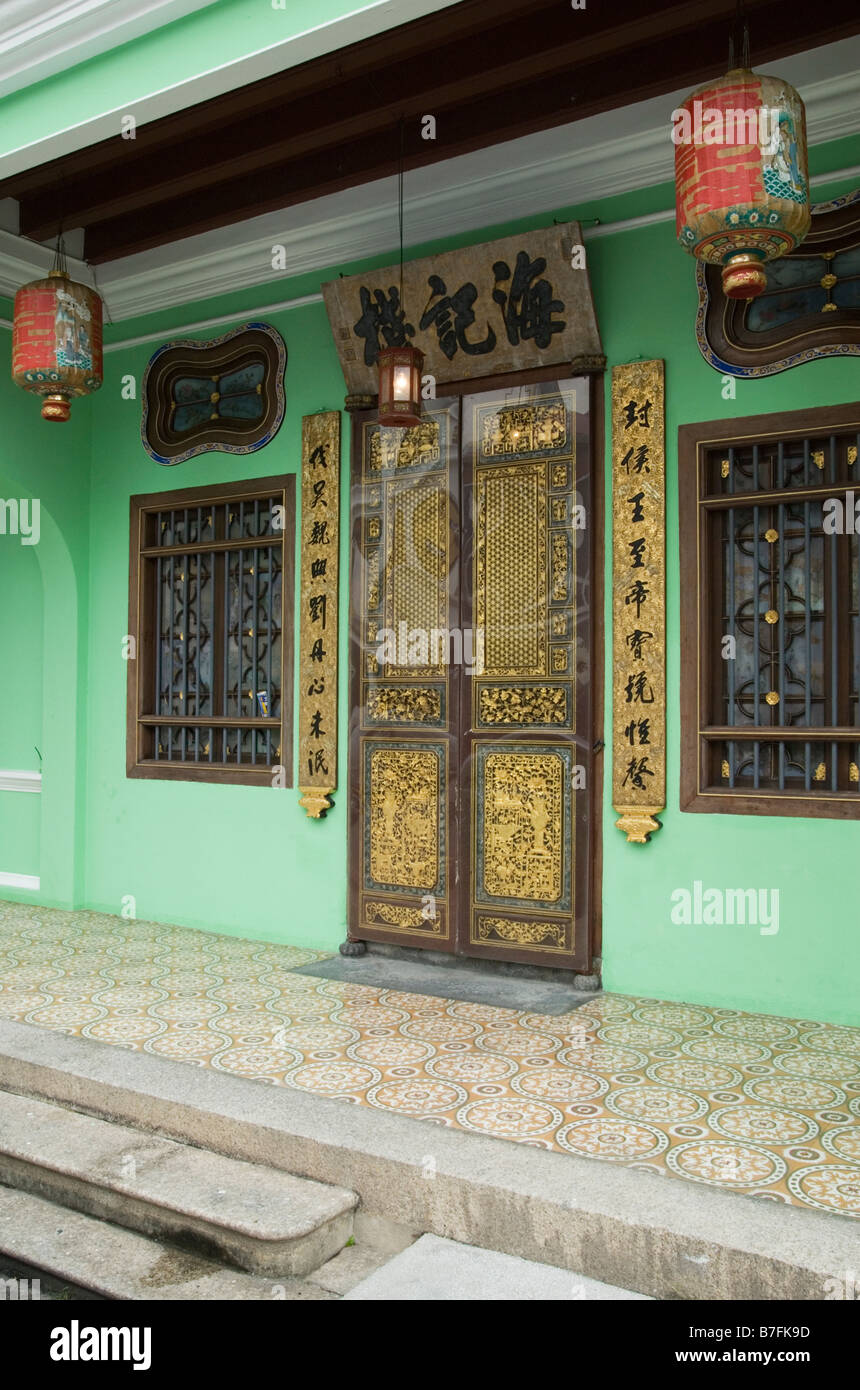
523, 919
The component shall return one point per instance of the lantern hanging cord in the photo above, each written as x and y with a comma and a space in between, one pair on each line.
60, 264
740, 31
400, 203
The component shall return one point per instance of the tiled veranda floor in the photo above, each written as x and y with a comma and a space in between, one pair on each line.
766, 1106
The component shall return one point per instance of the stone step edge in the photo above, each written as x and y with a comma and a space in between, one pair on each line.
117, 1263
87, 1183
651, 1233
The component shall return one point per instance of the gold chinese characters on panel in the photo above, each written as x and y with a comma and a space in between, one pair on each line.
639, 597
318, 611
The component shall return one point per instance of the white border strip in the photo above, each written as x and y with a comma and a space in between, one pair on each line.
629, 224
20, 781
26, 881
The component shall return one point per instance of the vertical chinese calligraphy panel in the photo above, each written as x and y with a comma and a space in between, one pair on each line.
639, 597
318, 625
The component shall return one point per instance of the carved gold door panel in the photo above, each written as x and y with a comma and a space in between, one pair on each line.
527, 744
471, 738
405, 692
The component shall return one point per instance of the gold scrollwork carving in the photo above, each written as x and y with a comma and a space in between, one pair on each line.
521, 933
399, 448
403, 811
396, 915
523, 705
559, 567
372, 576
416, 705
523, 825
524, 429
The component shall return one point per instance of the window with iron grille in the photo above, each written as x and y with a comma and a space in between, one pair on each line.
211, 614
770, 633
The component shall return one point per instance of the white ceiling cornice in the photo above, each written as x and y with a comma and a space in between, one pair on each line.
368, 18
40, 39
600, 157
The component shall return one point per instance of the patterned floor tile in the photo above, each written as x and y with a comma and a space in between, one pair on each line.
769, 1107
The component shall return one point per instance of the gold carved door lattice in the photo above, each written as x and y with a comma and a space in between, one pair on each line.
470, 654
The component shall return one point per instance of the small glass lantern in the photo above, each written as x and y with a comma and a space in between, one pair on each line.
400, 386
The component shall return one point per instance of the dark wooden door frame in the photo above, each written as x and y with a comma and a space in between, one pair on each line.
597, 656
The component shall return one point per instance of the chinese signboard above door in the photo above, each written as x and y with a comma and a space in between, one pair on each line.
639, 597
510, 305
318, 624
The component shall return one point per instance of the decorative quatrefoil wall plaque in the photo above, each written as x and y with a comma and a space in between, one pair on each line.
226, 394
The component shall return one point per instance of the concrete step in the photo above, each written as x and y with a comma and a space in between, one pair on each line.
624, 1226
257, 1217
435, 1270
87, 1253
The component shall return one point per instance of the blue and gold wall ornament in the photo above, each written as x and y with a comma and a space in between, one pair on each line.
225, 395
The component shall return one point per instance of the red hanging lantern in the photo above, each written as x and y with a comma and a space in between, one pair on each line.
741, 176
400, 386
57, 341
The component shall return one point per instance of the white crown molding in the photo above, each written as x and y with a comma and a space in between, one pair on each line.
22, 260
26, 881
364, 21
599, 157
40, 39
20, 781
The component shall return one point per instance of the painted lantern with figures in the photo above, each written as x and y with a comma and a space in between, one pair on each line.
57, 342
741, 177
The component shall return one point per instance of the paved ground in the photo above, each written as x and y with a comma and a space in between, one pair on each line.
760, 1105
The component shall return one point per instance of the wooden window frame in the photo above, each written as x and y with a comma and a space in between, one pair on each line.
698, 645
142, 628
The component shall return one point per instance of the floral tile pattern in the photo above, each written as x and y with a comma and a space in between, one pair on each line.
766, 1106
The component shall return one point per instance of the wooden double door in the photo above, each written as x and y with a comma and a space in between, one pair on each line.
471, 746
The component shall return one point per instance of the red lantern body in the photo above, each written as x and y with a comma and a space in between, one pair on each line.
741, 178
400, 386
57, 342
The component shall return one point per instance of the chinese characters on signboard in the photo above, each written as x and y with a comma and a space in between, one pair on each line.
639, 597
508, 305
318, 614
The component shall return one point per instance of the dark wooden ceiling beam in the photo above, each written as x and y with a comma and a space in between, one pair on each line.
544, 102
369, 57
332, 123
97, 183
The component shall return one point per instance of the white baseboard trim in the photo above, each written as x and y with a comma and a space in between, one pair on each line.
16, 781
28, 881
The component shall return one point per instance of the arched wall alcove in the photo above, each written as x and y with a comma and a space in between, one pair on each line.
61, 823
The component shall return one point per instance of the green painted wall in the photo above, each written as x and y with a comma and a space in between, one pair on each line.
20, 700
44, 834
247, 860
243, 859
